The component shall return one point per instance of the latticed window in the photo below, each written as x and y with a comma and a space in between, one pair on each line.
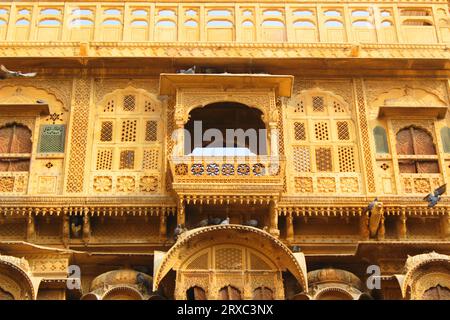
322, 134
51, 138
127, 133
15, 148
416, 151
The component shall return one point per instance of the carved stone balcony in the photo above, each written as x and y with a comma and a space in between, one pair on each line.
258, 175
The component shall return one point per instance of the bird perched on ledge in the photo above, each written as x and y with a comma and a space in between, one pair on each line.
434, 197
7, 74
188, 71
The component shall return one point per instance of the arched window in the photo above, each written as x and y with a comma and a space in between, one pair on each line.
195, 293
381, 143
229, 293
15, 148
262, 293
445, 136
437, 293
413, 142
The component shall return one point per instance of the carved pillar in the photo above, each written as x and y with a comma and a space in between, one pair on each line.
364, 227
273, 211
31, 231
181, 218
86, 225
401, 226
445, 226
79, 124
290, 227
65, 229
382, 229
162, 226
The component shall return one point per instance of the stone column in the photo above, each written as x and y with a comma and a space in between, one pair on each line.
162, 226
181, 217
273, 211
289, 227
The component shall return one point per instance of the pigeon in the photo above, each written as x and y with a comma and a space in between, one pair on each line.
75, 226
371, 205
435, 197
225, 221
142, 280
178, 230
188, 71
203, 223
40, 101
251, 223
296, 249
7, 74
214, 221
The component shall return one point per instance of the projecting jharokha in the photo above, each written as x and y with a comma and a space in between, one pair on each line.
225, 150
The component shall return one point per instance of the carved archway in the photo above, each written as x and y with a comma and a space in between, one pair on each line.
14, 279
424, 272
245, 258
334, 284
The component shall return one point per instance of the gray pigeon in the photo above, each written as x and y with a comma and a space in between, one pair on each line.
142, 280
203, 223
251, 223
296, 249
188, 71
178, 230
226, 221
214, 221
371, 205
7, 74
434, 197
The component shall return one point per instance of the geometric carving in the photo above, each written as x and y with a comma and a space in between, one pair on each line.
102, 183
324, 159
346, 159
75, 176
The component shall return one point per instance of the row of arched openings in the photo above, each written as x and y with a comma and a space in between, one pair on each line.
229, 293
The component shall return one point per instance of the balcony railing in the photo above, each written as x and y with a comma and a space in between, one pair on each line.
259, 171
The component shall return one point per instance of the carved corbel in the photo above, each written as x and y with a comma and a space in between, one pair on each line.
445, 226
86, 225
31, 230
162, 226
289, 227
401, 225
181, 218
274, 218
65, 228
364, 226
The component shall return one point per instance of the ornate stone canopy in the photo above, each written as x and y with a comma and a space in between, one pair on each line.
255, 239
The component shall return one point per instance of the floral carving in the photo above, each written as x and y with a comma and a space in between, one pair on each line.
125, 184
102, 184
243, 169
149, 184
326, 185
304, 184
212, 169
259, 169
349, 184
197, 169
422, 185
227, 169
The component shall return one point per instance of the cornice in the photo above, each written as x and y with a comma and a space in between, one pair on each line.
224, 50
